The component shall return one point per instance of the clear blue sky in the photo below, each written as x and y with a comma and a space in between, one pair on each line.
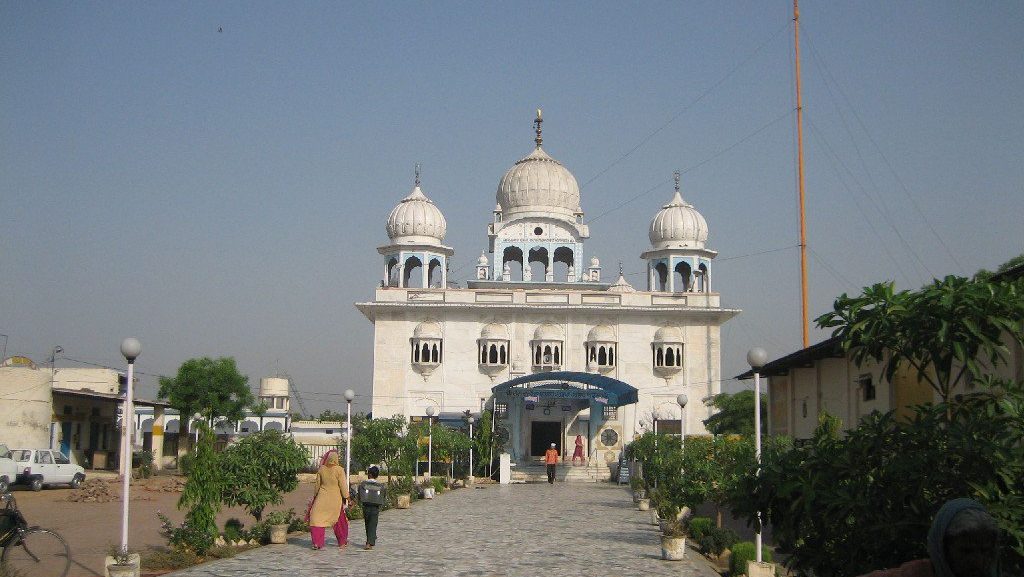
223, 192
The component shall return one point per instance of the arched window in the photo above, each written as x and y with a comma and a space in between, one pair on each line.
512, 257
602, 357
503, 355
435, 274
563, 262
540, 264
611, 356
661, 277
392, 272
558, 355
659, 358
412, 275
670, 357
681, 277
493, 357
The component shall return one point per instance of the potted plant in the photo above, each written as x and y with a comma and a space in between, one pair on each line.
637, 485
673, 540
279, 522
121, 563
427, 489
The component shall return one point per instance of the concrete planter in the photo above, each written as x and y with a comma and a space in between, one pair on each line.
643, 504
132, 569
279, 534
655, 519
428, 493
404, 501
673, 548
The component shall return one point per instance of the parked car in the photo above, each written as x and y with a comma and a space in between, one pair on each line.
40, 467
8, 468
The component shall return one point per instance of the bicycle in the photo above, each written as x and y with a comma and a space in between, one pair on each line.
29, 551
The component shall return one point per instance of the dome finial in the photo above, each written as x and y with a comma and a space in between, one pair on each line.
537, 123
417, 169
675, 176
620, 268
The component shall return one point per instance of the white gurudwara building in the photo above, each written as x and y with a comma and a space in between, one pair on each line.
537, 334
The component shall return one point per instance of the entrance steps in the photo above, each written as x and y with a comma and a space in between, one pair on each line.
533, 472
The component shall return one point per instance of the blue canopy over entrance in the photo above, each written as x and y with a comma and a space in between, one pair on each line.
570, 385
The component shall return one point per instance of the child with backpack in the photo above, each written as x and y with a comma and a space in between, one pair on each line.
372, 495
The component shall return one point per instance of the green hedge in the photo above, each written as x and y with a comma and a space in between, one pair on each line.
744, 552
699, 526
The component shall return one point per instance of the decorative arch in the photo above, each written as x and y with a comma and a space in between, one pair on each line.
512, 257
413, 263
705, 280
681, 276
391, 272
434, 273
539, 263
660, 277
564, 266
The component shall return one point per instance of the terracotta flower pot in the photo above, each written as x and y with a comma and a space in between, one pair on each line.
404, 501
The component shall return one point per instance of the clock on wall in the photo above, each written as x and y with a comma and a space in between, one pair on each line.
609, 438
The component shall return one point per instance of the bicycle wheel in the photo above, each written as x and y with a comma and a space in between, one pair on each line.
39, 553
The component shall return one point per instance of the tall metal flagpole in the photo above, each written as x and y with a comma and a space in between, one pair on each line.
800, 172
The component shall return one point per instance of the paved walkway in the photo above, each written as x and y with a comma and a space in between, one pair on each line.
513, 530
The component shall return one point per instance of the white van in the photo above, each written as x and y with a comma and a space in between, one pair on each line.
8, 468
39, 467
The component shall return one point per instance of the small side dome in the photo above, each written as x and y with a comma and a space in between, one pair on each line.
547, 333
594, 263
427, 330
678, 225
482, 261
601, 333
621, 286
668, 335
494, 332
416, 219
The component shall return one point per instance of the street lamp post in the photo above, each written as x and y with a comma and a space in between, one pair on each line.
349, 395
470, 421
130, 348
430, 440
756, 358
682, 400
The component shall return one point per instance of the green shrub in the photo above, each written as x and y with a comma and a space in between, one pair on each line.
699, 526
233, 529
744, 552
355, 511
186, 537
438, 483
169, 558
259, 531
259, 469
716, 540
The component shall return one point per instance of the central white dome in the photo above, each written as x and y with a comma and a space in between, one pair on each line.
539, 183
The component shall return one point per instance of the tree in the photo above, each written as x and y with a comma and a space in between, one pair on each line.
212, 388
258, 469
331, 416
844, 505
385, 442
1012, 263
945, 332
202, 494
735, 414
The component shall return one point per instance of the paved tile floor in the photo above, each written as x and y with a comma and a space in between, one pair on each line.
513, 530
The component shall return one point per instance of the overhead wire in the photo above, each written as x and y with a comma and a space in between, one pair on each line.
903, 187
685, 108
834, 159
